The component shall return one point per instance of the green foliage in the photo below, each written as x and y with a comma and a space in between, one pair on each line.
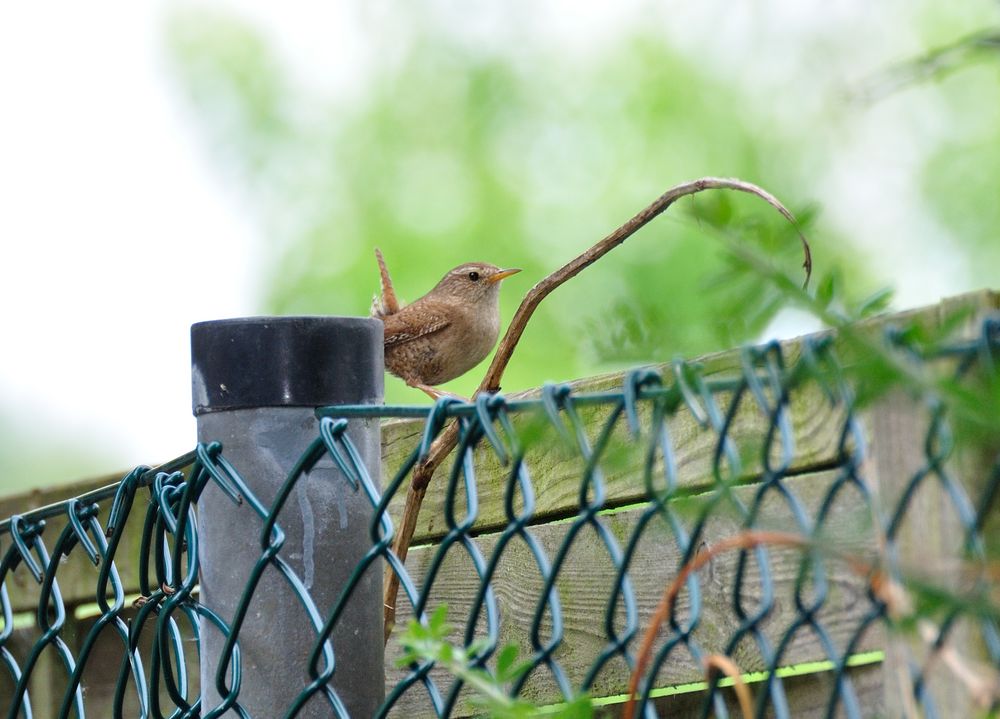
972, 212
456, 152
30, 462
430, 644
234, 82
701, 300
961, 184
874, 367
959, 177
875, 303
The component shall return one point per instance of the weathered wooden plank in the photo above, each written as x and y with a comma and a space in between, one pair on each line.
43, 496
48, 672
585, 586
556, 476
930, 548
930, 540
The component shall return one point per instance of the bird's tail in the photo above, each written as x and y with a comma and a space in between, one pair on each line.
386, 304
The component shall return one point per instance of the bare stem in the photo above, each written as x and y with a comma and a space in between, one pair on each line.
539, 292
443, 445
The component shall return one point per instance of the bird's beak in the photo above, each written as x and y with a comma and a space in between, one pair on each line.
502, 274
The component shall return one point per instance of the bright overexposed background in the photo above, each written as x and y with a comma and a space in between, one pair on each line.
123, 218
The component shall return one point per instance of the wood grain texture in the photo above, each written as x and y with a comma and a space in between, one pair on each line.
48, 673
49, 680
816, 426
929, 549
585, 586
930, 536
556, 473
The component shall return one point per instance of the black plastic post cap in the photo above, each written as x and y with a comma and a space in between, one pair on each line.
285, 362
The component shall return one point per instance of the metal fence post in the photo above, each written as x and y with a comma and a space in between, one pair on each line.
255, 384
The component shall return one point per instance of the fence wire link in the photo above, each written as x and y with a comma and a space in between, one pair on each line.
634, 511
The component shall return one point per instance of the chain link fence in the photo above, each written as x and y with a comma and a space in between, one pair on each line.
559, 527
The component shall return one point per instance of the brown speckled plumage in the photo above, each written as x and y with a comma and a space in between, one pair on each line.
446, 332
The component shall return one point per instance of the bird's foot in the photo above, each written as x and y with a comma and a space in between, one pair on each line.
436, 394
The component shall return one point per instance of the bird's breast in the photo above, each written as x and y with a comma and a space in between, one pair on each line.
468, 341
444, 354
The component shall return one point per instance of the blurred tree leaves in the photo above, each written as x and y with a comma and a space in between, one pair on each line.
236, 85
30, 462
515, 156
960, 177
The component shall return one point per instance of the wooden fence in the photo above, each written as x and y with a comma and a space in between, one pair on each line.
895, 431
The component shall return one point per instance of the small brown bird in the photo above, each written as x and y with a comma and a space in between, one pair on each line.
446, 332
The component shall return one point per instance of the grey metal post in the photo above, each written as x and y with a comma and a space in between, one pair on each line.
255, 384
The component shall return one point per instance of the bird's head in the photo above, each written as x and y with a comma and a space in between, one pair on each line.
473, 282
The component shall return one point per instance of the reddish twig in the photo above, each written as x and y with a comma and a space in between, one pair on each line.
982, 683
445, 442
727, 666
743, 540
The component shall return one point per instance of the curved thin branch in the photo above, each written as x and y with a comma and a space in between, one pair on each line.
931, 65
540, 291
447, 440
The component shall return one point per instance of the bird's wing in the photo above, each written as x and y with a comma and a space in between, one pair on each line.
403, 326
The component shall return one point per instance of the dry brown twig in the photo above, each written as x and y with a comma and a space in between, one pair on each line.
744, 540
982, 683
448, 438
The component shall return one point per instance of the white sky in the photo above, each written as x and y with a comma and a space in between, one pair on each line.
117, 233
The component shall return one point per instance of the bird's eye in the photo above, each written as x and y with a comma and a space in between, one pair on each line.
474, 276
